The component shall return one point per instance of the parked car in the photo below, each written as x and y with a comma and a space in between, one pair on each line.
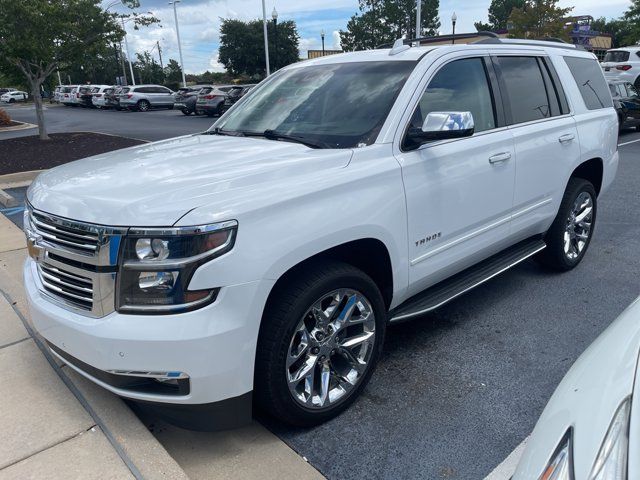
98, 93
590, 428
260, 262
57, 95
6, 90
626, 102
14, 96
235, 94
145, 97
623, 64
186, 98
71, 96
211, 100
112, 98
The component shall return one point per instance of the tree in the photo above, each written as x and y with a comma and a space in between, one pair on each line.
38, 36
173, 73
499, 12
148, 70
632, 16
539, 19
242, 46
384, 21
621, 30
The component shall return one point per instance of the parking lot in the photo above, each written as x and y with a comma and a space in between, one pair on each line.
457, 390
152, 125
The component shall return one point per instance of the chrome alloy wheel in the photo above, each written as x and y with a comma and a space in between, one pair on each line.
579, 224
330, 349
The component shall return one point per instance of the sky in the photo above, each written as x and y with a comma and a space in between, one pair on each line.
199, 23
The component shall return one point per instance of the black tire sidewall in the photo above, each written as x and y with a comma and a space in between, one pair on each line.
282, 404
553, 256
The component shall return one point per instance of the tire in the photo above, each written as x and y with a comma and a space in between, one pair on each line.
220, 109
143, 106
186, 111
287, 320
560, 255
12, 100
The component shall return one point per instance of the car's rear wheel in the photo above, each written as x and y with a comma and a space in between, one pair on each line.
187, 111
142, 106
570, 234
320, 339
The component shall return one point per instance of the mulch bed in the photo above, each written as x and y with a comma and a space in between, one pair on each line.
30, 153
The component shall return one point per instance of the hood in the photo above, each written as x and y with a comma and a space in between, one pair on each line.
158, 183
587, 399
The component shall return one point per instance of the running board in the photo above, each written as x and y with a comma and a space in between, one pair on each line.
466, 280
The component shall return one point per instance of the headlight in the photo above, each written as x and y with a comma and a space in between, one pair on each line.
156, 266
611, 462
560, 467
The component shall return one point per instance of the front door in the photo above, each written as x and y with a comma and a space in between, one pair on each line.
459, 192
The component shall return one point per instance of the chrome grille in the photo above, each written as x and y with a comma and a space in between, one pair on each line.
73, 288
76, 262
64, 234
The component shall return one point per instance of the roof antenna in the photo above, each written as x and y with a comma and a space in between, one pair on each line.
399, 46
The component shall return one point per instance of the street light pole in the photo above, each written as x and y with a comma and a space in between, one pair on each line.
175, 16
266, 41
453, 22
274, 15
322, 36
418, 18
126, 46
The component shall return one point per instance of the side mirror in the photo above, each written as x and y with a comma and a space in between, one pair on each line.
441, 126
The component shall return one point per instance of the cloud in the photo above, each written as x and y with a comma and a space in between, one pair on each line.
199, 22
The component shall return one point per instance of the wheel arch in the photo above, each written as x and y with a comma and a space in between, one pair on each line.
370, 255
591, 170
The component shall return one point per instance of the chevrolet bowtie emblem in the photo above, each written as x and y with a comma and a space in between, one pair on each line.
35, 251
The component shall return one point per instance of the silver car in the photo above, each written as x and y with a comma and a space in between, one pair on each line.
211, 100
144, 97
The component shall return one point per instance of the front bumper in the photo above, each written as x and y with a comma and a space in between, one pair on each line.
215, 346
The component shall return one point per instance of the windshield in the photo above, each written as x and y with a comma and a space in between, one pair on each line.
341, 105
616, 56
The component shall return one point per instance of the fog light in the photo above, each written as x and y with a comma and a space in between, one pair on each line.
157, 280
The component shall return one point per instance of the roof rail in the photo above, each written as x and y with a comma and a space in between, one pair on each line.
439, 38
548, 42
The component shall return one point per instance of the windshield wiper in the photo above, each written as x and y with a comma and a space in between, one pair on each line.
273, 135
219, 131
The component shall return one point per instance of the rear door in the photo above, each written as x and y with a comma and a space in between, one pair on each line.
545, 136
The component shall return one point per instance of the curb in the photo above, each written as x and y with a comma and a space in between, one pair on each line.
22, 126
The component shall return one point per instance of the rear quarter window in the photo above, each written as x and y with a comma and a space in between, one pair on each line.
591, 83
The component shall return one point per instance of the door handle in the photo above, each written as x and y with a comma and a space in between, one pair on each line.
566, 138
499, 158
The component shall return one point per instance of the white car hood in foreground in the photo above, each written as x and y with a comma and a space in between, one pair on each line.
158, 183
587, 399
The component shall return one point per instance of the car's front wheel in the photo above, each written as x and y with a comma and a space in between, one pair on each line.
187, 111
570, 234
320, 339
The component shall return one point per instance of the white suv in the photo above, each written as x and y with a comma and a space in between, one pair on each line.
623, 64
263, 259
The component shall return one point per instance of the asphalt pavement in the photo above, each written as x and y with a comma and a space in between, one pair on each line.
152, 125
456, 390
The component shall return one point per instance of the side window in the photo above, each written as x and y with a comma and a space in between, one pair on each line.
631, 90
459, 86
525, 89
621, 90
590, 80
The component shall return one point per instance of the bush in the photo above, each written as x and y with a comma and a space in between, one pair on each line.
5, 119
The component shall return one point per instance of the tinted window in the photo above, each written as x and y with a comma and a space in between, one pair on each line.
205, 90
459, 86
525, 89
340, 105
616, 56
593, 88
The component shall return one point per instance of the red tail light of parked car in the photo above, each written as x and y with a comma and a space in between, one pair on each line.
624, 68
